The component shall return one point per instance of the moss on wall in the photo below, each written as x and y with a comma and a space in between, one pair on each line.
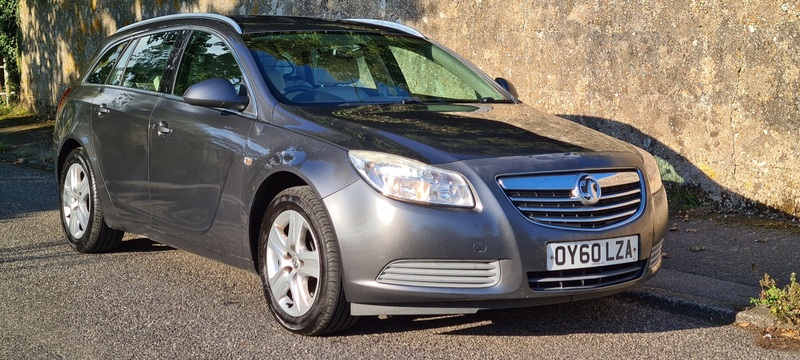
712, 88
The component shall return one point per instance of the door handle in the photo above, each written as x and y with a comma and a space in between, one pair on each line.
102, 110
162, 128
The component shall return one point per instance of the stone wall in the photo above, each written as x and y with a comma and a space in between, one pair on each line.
710, 87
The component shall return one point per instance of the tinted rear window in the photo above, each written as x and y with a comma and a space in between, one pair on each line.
147, 62
99, 74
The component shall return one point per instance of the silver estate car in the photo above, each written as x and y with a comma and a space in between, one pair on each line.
357, 166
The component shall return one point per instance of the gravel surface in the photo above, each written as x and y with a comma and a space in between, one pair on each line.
151, 301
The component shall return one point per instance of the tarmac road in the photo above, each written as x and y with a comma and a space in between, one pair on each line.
151, 301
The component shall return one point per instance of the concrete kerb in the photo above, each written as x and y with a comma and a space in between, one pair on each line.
721, 302
761, 317
685, 304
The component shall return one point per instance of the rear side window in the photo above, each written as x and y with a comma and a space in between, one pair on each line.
116, 75
99, 74
147, 61
206, 56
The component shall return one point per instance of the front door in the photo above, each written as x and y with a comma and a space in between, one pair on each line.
196, 153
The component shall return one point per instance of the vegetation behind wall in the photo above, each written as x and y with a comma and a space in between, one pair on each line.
9, 43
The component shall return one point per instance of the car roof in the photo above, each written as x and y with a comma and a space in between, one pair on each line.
251, 24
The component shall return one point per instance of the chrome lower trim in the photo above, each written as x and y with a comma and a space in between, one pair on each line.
441, 273
377, 310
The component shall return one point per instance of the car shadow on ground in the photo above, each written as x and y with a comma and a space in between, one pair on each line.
618, 314
141, 245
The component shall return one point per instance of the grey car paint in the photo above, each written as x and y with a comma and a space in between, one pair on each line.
203, 179
120, 126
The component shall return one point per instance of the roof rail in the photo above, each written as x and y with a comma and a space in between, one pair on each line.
397, 26
207, 16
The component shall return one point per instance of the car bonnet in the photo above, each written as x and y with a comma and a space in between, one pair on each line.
440, 133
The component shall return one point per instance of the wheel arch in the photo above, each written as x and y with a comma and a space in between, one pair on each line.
66, 148
267, 191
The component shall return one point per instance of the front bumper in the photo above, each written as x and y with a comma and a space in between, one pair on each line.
374, 231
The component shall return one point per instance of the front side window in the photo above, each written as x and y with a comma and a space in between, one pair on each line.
99, 74
147, 62
352, 68
206, 56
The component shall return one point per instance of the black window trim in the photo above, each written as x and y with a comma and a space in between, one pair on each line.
134, 39
171, 54
252, 108
108, 47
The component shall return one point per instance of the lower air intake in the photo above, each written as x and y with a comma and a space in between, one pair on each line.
589, 278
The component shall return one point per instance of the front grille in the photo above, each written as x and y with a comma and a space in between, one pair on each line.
553, 200
441, 273
587, 278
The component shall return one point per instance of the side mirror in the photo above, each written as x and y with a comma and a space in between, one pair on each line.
505, 84
215, 92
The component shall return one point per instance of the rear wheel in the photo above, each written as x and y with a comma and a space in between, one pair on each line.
81, 215
300, 267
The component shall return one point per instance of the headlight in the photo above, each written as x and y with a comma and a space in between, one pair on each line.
651, 171
405, 179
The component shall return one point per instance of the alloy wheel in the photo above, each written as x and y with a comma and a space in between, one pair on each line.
293, 263
76, 201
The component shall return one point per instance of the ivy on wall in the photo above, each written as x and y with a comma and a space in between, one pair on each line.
9, 42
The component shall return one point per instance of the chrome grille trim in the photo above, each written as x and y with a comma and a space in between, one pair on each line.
441, 273
581, 221
552, 199
584, 209
621, 194
587, 278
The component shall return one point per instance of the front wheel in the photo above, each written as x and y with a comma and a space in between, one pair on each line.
300, 267
81, 215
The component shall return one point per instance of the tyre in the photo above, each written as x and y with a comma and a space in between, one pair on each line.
300, 267
81, 214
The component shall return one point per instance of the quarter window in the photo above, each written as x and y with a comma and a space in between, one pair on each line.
105, 65
206, 56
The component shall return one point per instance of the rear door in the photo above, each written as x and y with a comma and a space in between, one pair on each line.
196, 164
121, 122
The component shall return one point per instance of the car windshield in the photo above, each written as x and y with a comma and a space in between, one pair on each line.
337, 68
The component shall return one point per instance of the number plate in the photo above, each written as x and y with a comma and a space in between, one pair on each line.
585, 254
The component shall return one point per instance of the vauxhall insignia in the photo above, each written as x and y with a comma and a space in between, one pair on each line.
588, 189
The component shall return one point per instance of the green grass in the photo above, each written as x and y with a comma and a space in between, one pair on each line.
783, 303
4, 147
684, 197
12, 111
